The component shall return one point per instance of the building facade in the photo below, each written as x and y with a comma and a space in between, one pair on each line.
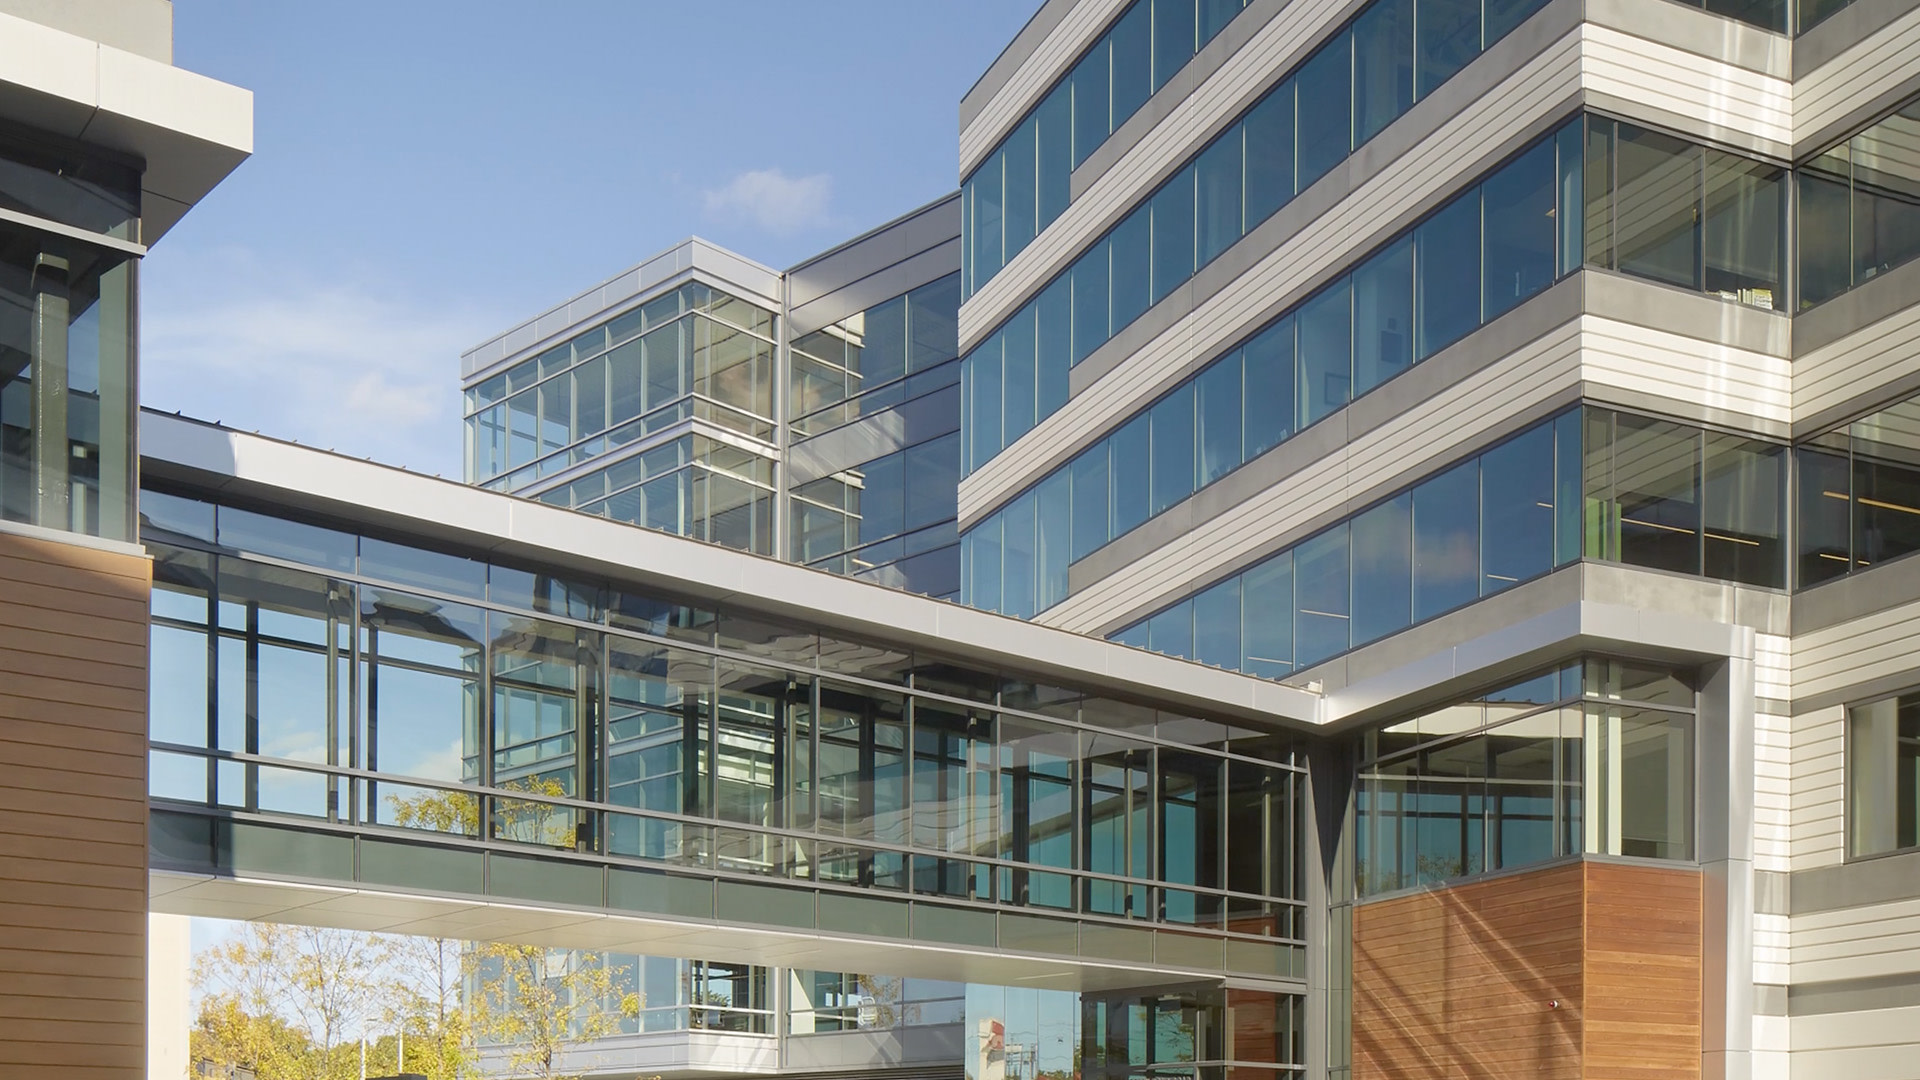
1427, 487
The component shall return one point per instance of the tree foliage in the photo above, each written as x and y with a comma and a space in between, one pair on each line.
537, 1003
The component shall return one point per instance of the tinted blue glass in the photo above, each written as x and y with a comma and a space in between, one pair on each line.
1216, 625
1089, 301
1171, 631
1447, 251
1092, 101
1215, 15
1172, 421
1383, 316
1321, 596
1267, 602
1567, 469
1020, 385
1054, 507
988, 214
1383, 569
1518, 509
1271, 389
309, 545
1221, 396
1132, 62
1092, 516
1053, 315
1132, 474
1326, 106
1021, 187
984, 415
1055, 142
1173, 234
1449, 37
1519, 229
1269, 136
1382, 66
1504, 15
1135, 635
1217, 176
883, 499
883, 349
1325, 365
984, 571
1131, 245
1446, 541
1173, 29
1570, 216
1018, 554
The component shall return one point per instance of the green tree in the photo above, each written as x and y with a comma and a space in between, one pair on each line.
286, 1000
537, 1003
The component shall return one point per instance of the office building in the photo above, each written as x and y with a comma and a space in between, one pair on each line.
1432, 486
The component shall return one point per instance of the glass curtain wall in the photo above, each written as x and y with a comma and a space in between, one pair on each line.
1594, 757
1859, 207
1120, 1035
1590, 483
1883, 775
1025, 183
892, 369
694, 352
307, 671
1858, 494
691, 486
67, 343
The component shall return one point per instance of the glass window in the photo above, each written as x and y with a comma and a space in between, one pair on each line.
1132, 37
1055, 509
1504, 15
1267, 607
1447, 247
1639, 789
1326, 378
1054, 336
1172, 420
1022, 188
985, 408
1823, 517
1655, 493
1091, 514
1217, 624
1055, 140
1090, 299
1886, 494
1883, 775
1218, 172
1221, 396
590, 396
1131, 472
1382, 66
1269, 135
1446, 541
1131, 246
988, 216
1321, 596
1271, 385
1448, 37
1173, 234
1171, 631
1657, 206
1326, 103
1519, 229
1518, 500
1092, 105
1383, 316
883, 345
983, 572
1382, 570
1021, 383
1825, 227
243, 530
1215, 15
1173, 28
1886, 195
935, 309
1745, 219
1019, 565
1742, 491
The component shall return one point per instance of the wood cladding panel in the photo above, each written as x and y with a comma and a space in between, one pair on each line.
1464, 981
1458, 981
73, 811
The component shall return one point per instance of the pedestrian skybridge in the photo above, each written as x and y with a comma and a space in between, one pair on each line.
387, 702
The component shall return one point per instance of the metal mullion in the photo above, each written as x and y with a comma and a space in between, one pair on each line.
252, 737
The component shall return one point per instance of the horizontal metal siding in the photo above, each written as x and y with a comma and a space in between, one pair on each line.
1854, 366
1023, 90
1825, 95
1857, 943
1819, 819
1597, 351
1772, 951
1595, 57
1881, 1043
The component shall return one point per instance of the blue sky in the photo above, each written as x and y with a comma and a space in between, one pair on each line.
429, 172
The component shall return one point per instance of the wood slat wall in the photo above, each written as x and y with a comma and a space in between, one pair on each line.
1462, 981
73, 811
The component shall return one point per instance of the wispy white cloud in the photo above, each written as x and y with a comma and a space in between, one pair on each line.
772, 200
339, 365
